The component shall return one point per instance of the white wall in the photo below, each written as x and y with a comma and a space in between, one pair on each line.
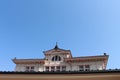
69, 66
93, 65
74, 66
22, 67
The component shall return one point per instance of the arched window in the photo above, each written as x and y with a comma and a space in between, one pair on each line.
53, 58
59, 58
56, 58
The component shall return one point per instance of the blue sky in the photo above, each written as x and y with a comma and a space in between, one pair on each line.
86, 27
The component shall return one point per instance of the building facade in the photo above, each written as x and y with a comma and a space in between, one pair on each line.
57, 59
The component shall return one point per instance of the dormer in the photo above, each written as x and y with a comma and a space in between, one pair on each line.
57, 54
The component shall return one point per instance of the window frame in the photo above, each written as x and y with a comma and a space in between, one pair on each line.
56, 58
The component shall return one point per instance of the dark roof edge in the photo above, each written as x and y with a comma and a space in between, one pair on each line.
65, 72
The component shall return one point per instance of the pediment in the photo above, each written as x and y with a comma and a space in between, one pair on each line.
55, 51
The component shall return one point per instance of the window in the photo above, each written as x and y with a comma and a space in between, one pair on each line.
53, 68
56, 58
53, 58
32, 68
87, 67
58, 68
81, 68
29, 68
63, 68
47, 68
59, 58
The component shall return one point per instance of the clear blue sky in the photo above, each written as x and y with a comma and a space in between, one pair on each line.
86, 27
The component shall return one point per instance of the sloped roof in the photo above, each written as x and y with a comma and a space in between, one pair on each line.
88, 58
17, 61
56, 50
97, 56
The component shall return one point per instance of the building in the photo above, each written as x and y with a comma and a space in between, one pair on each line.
57, 59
